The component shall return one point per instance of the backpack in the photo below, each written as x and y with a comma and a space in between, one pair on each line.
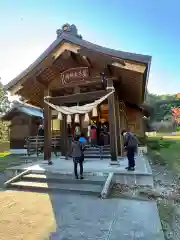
132, 141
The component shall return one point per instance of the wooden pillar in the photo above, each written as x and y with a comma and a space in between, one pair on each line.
47, 129
117, 113
64, 136
112, 122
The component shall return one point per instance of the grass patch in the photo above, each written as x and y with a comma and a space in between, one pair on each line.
166, 212
165, 152
4, 147
6, 159
9, 160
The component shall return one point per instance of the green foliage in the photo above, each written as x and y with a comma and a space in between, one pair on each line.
158, 143
153, 98
178, 129
162, 105
165, 152
4, 102
4, 107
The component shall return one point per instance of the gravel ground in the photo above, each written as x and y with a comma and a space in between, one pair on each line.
169, 208
25, 215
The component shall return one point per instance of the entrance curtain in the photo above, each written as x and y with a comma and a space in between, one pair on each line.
78, 109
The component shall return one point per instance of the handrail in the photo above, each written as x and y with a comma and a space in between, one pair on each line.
27, 171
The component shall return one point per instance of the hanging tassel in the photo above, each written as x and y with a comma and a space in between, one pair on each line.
69, 120
94, 112
60, 116
86, 117
76, 119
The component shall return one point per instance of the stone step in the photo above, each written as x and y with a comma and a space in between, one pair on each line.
95, 152
89, 175
62, 178
96, 156
97, 147
133, 179
88, 189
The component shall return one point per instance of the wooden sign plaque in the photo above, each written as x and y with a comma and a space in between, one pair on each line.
74, 75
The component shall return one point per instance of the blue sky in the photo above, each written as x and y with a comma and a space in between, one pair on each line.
148, 27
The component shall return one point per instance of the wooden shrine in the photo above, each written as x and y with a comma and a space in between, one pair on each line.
73, 70
24, 121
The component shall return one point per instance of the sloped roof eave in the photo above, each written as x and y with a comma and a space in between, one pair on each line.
145, 59
29, 111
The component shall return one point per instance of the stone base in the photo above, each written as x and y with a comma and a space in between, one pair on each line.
114, 163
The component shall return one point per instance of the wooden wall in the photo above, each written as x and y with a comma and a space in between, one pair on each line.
21, 127
135, 120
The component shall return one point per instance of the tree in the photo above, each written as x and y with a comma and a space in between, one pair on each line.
162, 105
4, 102
4, 107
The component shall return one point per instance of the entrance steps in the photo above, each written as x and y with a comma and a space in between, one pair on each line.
91, 152
48, 182
134, 180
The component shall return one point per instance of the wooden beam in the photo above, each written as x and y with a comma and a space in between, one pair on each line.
16, 89
117, 113
64, 139
112, 123
79, 97
41, 82
96, 56
47, 129
87, 61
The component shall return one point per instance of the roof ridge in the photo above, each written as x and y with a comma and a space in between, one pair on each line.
73, 38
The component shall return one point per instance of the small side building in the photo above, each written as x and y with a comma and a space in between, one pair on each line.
24, 121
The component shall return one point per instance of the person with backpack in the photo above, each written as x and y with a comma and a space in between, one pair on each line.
78, 156
130, 145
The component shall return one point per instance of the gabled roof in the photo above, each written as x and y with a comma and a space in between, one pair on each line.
69, 34
21, 107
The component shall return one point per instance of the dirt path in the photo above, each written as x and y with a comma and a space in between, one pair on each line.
25, 215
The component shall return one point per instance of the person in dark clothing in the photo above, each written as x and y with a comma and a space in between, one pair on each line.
101, 143
41, 134
93, 136
77, 155
41, 131
130, 145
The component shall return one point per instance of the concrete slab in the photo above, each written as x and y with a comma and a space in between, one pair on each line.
93, 165
61, 187
82, 217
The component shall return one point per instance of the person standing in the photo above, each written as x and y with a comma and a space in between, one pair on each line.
130, 145
41, 131
93, 136
41, 135
77, 155
77, 131
101, 143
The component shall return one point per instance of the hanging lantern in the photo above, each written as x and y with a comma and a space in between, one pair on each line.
60, 116
86, 117
76, 119
94, 112
69, 120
